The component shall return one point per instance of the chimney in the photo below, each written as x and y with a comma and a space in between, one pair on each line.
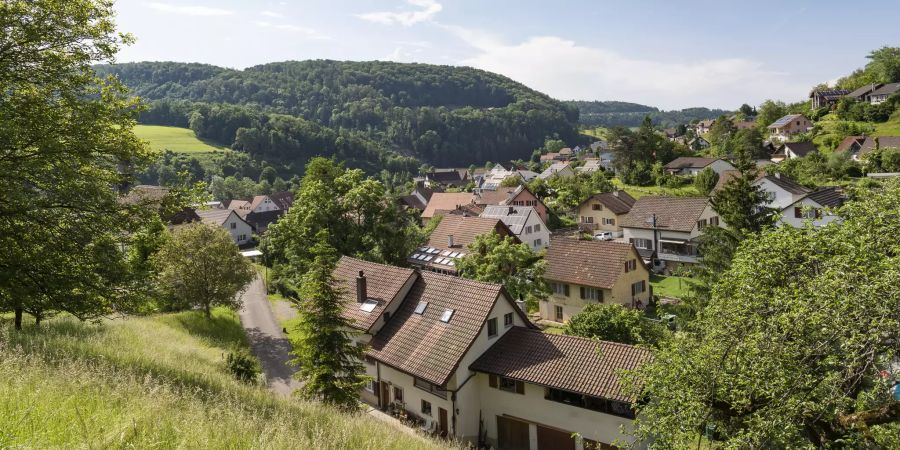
615, 193
778, 175
450, 241
361, 293
511, 211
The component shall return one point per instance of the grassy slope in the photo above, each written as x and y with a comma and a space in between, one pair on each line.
156, 382
675, 287
180, 140
640, 191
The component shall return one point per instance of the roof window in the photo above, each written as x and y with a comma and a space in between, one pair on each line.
368, 305
447, 315
420, 308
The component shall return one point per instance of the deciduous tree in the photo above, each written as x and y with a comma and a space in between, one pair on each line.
499, 259
616, 323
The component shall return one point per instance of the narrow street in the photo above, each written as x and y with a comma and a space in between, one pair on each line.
267, 341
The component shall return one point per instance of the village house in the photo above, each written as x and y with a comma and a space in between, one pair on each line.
441, 203
881, 94
494, 178
604, 212
862, 93
581, 272
450, 239
691, 166
518, 196
820, 98
523, 221
419, 197
850, 145
463, 361
446, 178
669, 226
870, 144
817, 207
703, 126
789, 125
262, 210
558, 169
231, 221
781, 190
792, 150
590, 166
698, 143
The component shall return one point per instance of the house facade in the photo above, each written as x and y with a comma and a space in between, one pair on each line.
789, 125
793, 150
604, 212
459, 358
669, 226
523, 221
518, 196
231, 221
817, 207
691, 166
585, 272
881, 94
557, 169
821, 98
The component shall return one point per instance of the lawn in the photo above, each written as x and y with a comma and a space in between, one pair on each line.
157, 382
675, 287
178, 140
889, 128
597, 132
640, 191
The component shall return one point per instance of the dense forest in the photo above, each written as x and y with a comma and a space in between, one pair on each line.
624, 114
375, 115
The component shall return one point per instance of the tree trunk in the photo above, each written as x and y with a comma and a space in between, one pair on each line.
18, 320
37, 320
207, 310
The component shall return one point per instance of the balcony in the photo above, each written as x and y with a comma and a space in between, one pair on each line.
678, 250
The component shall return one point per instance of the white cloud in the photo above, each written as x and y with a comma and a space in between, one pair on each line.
427, 10
272, 14
190, 10
309, 33
566, 70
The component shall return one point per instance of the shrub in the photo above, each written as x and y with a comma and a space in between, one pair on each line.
242, 365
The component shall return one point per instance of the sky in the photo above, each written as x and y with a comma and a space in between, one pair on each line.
668, 54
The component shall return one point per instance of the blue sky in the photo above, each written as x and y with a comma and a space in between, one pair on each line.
667, 54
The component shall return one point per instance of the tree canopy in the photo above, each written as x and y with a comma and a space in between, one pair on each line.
616, 323
794, 349
499, 259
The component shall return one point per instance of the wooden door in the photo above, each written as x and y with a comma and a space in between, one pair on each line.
385, 395
553, 439
512, 434
442, 422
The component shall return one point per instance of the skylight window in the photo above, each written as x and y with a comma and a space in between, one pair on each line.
368, 305
447, 315
420, 308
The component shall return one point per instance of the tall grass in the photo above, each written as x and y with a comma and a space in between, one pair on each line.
157, 382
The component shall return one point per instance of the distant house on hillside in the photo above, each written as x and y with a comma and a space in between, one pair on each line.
523, 221
881, 94
590, 166
591, 272
690, 166
792, 150
604, 212
851, 145
559, 169
698, 143
518, 196
231, 221
703, 126
447, 178
789, 125
826, 97
442, 203
862, 93
817, 206
419, 197
450, 239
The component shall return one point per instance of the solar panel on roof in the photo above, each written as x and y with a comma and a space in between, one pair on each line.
446, 253
428, 258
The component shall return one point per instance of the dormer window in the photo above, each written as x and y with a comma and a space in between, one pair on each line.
368, 305
420, 308
447, 315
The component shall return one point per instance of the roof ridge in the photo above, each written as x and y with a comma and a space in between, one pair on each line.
581, 338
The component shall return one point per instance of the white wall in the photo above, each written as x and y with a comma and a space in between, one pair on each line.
782, 198
266, 205
543, 234
718, 166
532, 407
787, 215
241, 229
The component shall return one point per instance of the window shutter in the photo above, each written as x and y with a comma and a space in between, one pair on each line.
581, 292
632, 289
492, 380
626, 267
797, 212
566, 289
600, 295
520, 387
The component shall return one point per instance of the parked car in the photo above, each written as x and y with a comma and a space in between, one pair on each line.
603, 236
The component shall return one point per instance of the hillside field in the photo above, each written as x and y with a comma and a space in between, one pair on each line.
157, 382
179, 140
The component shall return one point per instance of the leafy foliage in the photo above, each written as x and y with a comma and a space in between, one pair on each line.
624, 114
789, 353
201, 267
66, 143
615, 323
496, 259
705, 181
243, 365
883, 67
329, 363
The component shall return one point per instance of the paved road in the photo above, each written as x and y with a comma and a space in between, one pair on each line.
266, 339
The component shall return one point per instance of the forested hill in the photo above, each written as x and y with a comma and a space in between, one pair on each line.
374, 114
624, 114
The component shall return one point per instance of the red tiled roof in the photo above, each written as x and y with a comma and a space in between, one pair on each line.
619, 202
673, 213
464, 230
685, 162
848, 142
588, 263
383, 284
424, 346
570, 363
442, 202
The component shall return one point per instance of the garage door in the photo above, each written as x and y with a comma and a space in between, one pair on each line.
553, 439
512, 434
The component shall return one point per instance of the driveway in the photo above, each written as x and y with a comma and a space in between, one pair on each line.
266, 339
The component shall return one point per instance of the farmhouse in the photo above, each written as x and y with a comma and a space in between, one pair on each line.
523, 221
690, 166
789, 125
231, 221
450, 239
604, 212
792, 150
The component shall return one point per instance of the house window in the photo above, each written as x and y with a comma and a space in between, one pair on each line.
714, 221
608, 221
492, 327
559, 313
420, 308
528, 229
646, 244
589, 293
588, 402
630, 265
447, 315
506, 384
429, 387
537, 228
398, 394
639, 287
560, 288
426, 407
508, 319
587, 219
371, 386
701, 224
537, 243
233, 225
